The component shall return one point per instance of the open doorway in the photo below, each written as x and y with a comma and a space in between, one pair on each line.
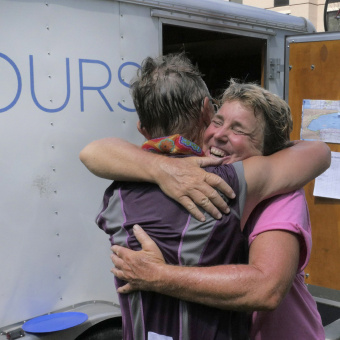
219, 56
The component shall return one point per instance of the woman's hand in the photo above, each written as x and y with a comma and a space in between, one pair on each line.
184, 180
139, 268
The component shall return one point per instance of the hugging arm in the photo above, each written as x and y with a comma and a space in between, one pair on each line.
261, 285
288, 169
283, 171
184, 180
181, 179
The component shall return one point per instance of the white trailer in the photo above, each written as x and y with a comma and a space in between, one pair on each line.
65, 66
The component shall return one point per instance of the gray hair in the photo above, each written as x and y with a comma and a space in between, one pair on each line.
274, 110
168, 93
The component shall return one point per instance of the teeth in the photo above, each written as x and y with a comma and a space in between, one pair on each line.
217, 152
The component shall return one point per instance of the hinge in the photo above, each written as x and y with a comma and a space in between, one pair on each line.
275, 68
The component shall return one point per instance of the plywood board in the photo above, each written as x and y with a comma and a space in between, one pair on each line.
315, 74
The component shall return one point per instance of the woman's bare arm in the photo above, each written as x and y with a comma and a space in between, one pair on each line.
260, 285
184, 180
181, 179
284, 171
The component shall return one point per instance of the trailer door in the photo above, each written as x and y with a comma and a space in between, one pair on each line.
219, 55
312, 72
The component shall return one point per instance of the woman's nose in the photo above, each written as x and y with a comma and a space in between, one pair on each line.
222, 134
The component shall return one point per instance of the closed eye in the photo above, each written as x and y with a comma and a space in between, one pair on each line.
238, 131
217, 122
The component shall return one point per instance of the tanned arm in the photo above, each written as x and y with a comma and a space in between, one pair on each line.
284, 171
261, 285
184, 181
181, 179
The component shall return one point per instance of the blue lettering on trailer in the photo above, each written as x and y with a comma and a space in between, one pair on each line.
99, 88
124, 83
11, 62
33, 92
83, 88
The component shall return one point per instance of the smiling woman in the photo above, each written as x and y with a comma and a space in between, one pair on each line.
276, 113
252, 121
234, 133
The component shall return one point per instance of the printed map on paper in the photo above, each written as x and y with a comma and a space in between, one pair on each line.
321, 120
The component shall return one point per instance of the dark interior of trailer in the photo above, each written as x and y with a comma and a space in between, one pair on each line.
219, 56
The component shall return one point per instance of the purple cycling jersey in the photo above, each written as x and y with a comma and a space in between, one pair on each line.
184, 241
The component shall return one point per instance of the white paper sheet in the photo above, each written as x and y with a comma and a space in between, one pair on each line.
328, 183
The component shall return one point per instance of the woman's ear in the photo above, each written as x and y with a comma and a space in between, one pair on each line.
207, 111
143, 131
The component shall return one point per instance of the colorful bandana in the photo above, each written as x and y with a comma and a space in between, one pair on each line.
174, 144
